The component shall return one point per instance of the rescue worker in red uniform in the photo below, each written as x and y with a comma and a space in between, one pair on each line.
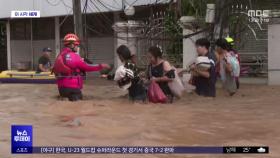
68, 68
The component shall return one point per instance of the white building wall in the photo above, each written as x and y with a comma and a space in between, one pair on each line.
273, 54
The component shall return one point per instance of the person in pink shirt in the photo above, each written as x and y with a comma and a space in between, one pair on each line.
68, 68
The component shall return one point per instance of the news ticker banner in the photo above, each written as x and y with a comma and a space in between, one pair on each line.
150, 150
22, 143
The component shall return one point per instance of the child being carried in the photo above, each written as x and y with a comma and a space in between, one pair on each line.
127, 75
202, 63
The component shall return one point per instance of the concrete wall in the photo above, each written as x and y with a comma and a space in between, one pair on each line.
274, 54
189, 49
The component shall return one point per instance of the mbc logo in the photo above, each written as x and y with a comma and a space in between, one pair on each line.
259, 13
259, 16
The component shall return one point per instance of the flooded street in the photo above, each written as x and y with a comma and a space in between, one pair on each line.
107, 118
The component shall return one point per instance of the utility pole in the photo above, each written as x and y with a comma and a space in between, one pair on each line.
176, 6
220, 19
179, 8
78, 24
123, 5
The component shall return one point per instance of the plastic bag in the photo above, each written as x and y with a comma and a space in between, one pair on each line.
235, 66
155, 93
233, 61
188, 83
176, 86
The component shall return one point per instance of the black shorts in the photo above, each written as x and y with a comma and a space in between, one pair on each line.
137, 92
71, 93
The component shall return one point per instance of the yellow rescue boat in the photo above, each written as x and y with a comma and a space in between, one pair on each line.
27, 77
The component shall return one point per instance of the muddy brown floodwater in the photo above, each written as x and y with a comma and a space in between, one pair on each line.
106, 118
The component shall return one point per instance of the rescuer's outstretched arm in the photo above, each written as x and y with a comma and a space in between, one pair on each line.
75, 61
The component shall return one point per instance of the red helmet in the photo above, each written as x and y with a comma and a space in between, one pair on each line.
71, 38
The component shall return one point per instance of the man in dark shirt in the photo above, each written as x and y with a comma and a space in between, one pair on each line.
44, 63
206, 80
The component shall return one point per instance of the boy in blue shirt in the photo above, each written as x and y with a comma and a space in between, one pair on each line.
204, 81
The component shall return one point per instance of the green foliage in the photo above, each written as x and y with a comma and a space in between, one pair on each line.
195, 8
172, 28
174, 31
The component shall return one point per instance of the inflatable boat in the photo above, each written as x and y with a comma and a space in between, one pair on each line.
30, 77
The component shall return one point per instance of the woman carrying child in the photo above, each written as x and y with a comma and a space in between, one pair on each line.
228, 66
127, 75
